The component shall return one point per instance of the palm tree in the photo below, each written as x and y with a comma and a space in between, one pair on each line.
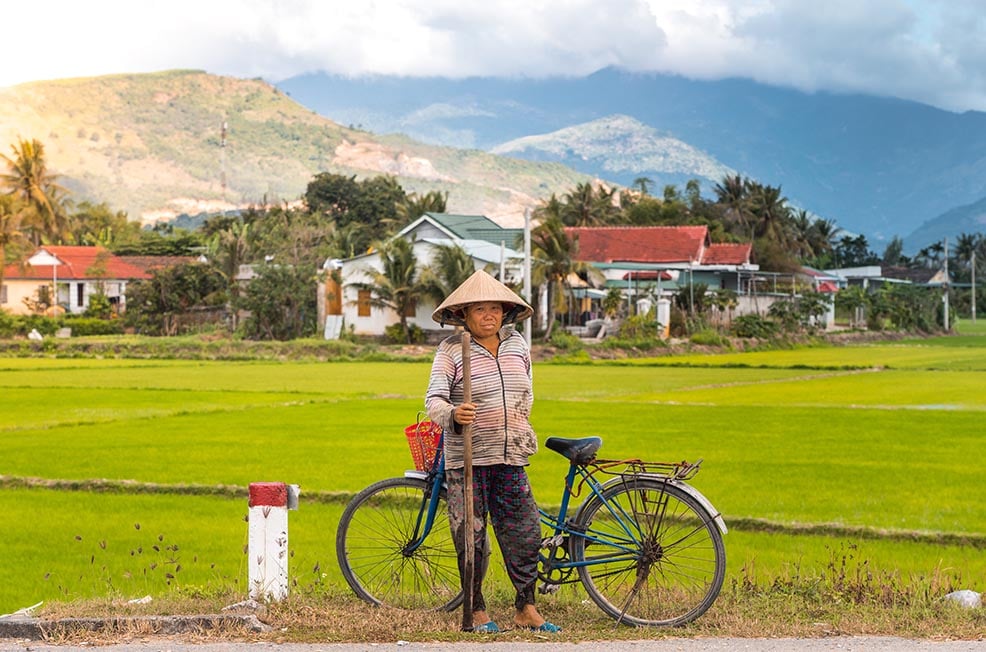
588, 206
966, 246
771, 214
931, 256
229, 249
643, 184
733, 194
415, 206
399, 285
11, 214
554, 260
30, 180
451, 266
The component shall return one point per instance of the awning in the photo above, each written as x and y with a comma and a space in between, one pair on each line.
647, 275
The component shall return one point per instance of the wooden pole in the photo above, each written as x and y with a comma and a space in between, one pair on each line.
469, 567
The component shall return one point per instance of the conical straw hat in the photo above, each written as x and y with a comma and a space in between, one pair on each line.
481, 287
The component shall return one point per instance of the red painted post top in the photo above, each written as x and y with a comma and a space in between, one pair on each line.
272, 494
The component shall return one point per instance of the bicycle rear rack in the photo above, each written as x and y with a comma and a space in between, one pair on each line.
666, 471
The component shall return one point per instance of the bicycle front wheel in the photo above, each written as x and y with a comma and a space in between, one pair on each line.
372, 542
651, 554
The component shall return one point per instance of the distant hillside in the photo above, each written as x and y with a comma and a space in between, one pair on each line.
876, 166
152, 144
622, 149
963, 219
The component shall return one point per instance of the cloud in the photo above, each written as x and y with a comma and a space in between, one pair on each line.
926, 50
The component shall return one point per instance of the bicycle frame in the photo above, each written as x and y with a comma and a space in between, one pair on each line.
578, 475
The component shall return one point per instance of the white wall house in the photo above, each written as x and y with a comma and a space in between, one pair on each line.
75, 273
489, 245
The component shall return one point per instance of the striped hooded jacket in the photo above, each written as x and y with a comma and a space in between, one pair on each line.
502, 391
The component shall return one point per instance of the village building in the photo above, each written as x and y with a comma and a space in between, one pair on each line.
75, 274
639, 261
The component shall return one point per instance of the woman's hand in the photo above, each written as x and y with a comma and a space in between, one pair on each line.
465, 413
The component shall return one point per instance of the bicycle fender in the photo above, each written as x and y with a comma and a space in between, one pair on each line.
688, 489
421, 475
704, 502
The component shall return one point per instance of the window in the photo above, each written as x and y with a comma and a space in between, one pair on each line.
3, 294
363, 304
411, 309
80, 294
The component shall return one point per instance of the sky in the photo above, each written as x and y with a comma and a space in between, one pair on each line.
930, 51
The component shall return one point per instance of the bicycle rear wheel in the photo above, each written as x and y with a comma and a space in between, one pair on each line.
374, 532
652, 554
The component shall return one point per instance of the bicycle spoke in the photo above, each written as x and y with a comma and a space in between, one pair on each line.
668, 573
372, 546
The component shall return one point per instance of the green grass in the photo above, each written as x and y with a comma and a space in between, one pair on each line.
876, 455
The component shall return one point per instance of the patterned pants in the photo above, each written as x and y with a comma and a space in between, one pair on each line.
504, 493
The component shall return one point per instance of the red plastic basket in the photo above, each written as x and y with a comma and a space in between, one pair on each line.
423, 438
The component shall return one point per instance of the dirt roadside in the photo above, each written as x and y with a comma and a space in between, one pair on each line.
832, 644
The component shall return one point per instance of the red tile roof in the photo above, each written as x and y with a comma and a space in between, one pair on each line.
77, 263
639, 244
726, 253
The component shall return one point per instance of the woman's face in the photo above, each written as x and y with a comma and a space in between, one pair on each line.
485, 318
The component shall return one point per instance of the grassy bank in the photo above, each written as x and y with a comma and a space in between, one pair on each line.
844, 473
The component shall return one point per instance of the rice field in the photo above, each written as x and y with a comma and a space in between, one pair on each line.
127, 478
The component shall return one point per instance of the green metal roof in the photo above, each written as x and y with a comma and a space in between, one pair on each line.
476, 227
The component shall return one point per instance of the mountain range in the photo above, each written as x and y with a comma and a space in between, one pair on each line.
171, 145
877, 166
163, 145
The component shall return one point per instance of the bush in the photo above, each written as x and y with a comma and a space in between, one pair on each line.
709, 337
82, 326
565, 341
754, 326
394, 334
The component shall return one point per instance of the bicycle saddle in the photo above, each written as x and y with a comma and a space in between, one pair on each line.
579, 451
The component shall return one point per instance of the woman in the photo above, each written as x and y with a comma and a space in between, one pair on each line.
502, 437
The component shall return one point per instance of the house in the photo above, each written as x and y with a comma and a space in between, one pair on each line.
488, 244
633, 259
627, 254
657, 260
76, 273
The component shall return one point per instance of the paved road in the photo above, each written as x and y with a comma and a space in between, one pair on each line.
839, 644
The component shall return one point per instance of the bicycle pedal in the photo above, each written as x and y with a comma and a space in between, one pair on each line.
552, 542
545, 589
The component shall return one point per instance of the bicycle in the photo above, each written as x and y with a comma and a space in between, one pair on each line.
646, 546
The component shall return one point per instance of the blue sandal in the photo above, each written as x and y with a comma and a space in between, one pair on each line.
487, 628
545, 628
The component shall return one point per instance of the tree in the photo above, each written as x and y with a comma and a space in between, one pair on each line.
588, 206
367, 210
893, 254
966, 246
855, 252
451, 266
554, 260
229, 249
643, 184
733, 194
96, 224
11, 214
415, 206
29, 179
398, 286
281, 303
166, 303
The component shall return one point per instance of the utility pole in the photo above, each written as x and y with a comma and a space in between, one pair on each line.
973, 286
945, 298
529, 328
222, 159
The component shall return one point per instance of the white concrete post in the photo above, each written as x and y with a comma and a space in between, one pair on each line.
268, 538
664, 318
